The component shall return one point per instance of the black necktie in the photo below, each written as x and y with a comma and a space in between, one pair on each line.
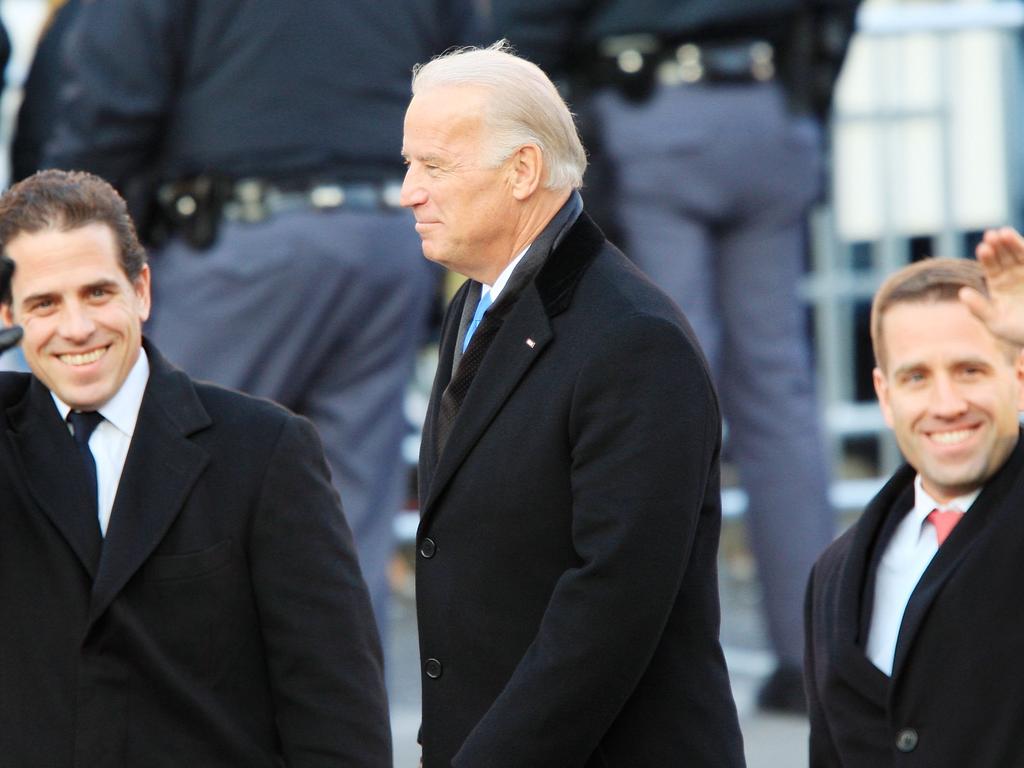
83, 423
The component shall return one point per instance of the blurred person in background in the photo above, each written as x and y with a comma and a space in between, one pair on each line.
258, 143
706, 119
913, 635
40, 91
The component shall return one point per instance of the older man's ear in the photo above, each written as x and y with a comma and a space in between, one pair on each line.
527, 168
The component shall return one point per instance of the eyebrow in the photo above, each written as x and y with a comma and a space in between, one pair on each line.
424, 158
104, 283
921, 365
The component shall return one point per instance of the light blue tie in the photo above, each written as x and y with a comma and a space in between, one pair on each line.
481, 308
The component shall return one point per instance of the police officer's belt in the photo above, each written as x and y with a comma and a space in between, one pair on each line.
253, 200
636, 63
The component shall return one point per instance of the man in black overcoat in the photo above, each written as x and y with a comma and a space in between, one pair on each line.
178, 586
569, 471
912, 616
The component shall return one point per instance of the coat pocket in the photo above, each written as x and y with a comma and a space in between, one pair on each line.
188, 565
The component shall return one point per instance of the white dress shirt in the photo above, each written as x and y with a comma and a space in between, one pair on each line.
112, 437
907, 555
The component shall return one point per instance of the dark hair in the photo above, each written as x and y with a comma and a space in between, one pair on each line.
67, 200
926, 281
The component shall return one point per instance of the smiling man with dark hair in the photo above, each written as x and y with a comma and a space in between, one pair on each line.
177, 582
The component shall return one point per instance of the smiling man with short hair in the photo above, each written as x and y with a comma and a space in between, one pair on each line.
913, 629
177, 582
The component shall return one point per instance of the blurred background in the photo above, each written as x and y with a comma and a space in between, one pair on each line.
923, 152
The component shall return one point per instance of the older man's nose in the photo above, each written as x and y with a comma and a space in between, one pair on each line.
413, 193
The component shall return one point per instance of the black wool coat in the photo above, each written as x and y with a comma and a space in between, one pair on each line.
567, 590
956, 695
222, 622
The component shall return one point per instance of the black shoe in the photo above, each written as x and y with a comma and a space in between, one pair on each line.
783, 692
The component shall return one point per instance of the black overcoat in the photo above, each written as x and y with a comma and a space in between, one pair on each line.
956, 695
223, 621
567, 590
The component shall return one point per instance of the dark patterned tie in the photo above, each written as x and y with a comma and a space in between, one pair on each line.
458, 387
83, 423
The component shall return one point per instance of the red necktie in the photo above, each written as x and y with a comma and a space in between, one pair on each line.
944, 520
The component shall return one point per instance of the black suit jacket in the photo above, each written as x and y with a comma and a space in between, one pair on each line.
566, 578
222, 622
956, 696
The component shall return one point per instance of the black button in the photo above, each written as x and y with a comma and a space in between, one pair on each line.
906, 740
433, 668
428, 548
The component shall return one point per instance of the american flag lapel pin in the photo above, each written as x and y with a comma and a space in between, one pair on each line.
531, 343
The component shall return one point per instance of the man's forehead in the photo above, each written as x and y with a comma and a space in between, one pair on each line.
448, 110
53, 252
911, 329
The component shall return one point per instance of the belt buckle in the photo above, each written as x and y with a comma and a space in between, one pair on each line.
327, 196
250, 200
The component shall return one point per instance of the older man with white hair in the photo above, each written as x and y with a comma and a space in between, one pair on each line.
569, 471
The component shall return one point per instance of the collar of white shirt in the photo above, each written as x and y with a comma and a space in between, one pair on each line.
924, 503
122, 410
506, 273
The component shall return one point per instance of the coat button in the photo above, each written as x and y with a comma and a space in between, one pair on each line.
433, 668
906, 740
428, 548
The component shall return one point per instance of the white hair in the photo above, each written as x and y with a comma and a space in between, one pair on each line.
523, 107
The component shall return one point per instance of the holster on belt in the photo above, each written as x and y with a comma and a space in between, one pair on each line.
192, 208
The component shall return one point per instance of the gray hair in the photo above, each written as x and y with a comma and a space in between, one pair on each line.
523, 107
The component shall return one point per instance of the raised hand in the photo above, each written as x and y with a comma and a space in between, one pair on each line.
1001, 254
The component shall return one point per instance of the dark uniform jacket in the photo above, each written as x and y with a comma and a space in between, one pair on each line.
956, 696
567, 589
810, 36
222, 622
275, 89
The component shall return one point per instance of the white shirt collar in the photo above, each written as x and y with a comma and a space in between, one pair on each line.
506, 273
924, 503
122, 410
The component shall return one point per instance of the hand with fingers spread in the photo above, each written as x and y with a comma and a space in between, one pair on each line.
1001, 254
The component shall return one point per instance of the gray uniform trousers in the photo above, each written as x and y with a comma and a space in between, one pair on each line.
714, 184
322, 312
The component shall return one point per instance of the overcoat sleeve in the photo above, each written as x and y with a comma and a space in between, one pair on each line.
323, 653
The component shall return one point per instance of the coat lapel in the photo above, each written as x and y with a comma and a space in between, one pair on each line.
162, 466
525, 333
958, 546
450, 332
857, 584
42, 444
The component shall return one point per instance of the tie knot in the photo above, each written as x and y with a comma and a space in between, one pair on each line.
944, 521
84, 423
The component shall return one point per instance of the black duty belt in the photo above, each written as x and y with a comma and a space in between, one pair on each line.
637, 63
253, 200
193, 208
